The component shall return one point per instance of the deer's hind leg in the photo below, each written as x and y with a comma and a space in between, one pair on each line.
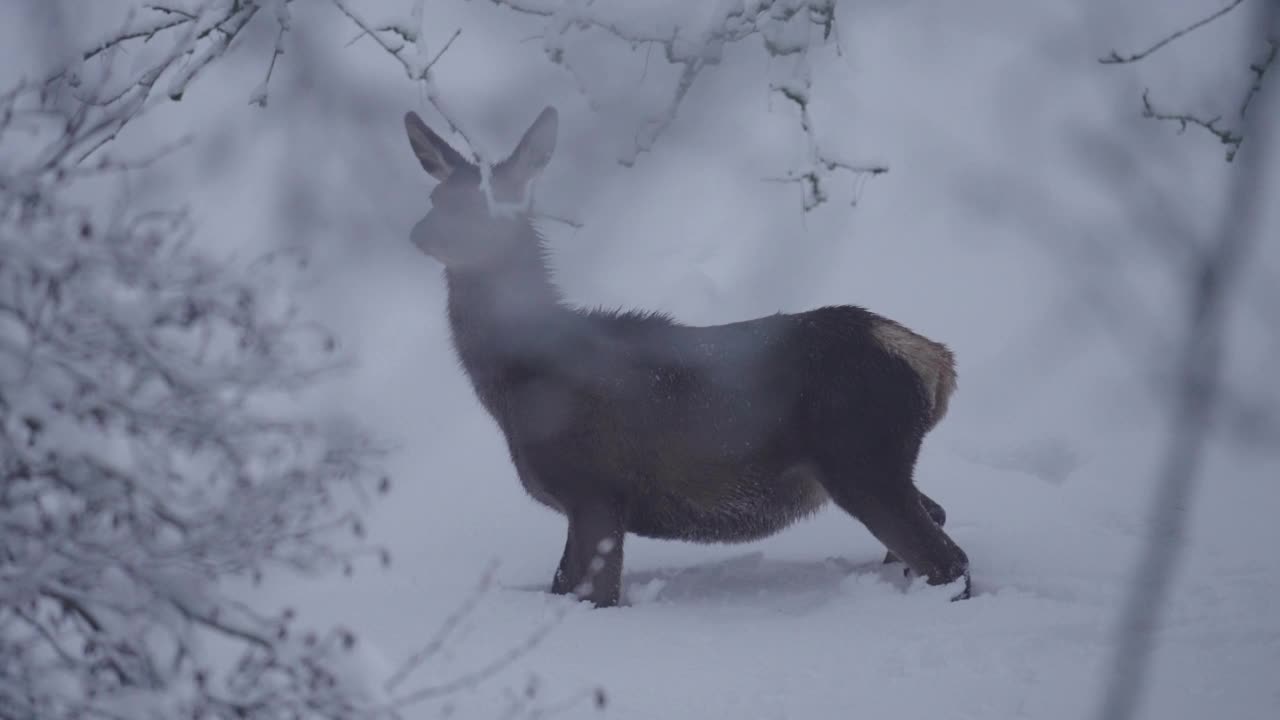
886, 500
935, 511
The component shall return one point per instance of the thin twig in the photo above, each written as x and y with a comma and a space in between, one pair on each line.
260, 98
420, 75
481, 674
1259, 71
368, 30
451, 623
1116, 58
432, 62
1232, 139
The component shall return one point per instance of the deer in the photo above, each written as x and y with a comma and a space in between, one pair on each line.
630, 422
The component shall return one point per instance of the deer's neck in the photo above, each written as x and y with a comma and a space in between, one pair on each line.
505, 314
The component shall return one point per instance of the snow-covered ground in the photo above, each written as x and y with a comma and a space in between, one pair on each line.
809, 625
1030, 219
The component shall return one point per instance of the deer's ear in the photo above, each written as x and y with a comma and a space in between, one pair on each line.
438, 158
532, 153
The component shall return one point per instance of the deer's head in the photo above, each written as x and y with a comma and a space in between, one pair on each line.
462, 229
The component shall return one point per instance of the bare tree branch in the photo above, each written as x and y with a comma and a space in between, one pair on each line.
1226, 136
1232, 138
1259, 71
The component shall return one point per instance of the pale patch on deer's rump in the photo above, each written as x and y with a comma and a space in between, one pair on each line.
932, 362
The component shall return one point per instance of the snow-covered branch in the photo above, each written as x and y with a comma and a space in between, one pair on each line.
789, 30
145, 455
147, 452
404, 40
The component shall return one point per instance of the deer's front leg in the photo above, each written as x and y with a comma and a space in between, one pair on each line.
591, 566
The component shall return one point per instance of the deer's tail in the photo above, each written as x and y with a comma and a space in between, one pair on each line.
932, 362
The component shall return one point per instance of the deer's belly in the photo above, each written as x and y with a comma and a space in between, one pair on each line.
719, 504
716, 509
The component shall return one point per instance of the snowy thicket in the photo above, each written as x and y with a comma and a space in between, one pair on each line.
142, 464
148, 455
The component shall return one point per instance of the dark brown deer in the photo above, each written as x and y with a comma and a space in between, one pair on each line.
630, 422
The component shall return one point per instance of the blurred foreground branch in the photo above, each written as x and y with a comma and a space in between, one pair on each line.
1212, 281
